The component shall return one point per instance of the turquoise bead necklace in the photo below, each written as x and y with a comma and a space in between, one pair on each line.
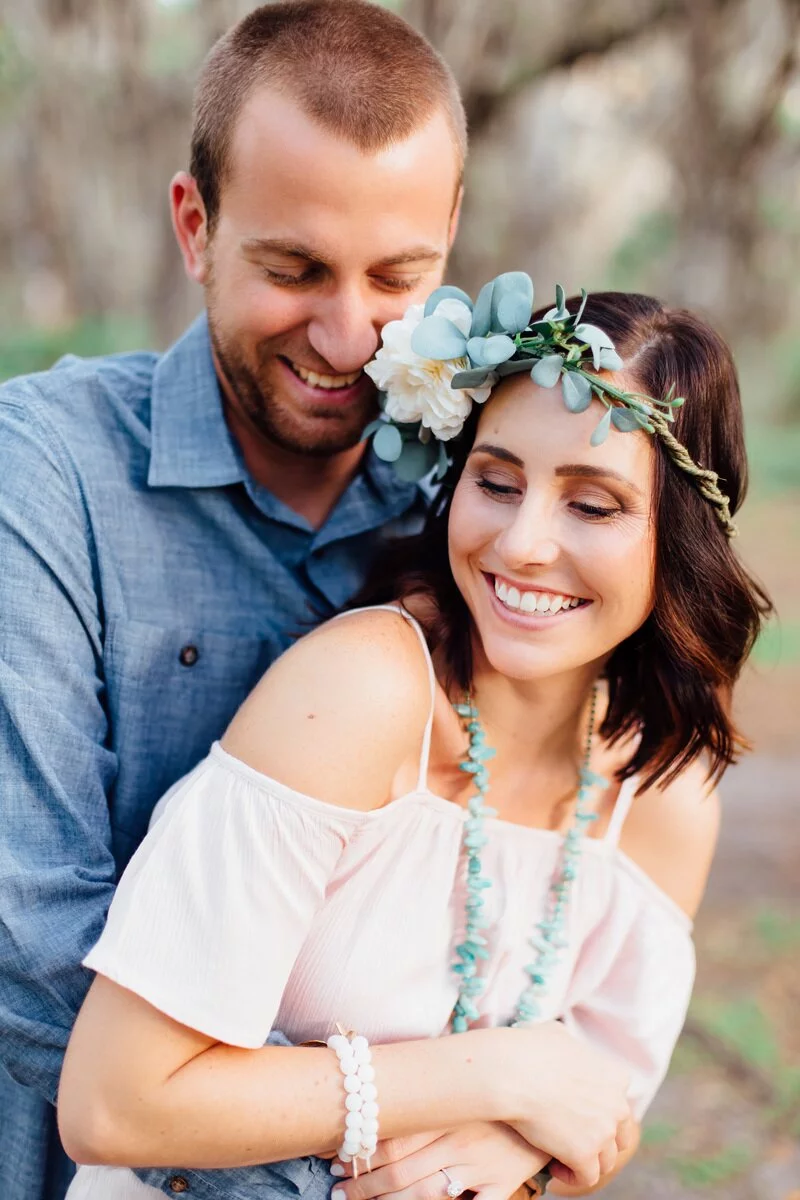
547, 939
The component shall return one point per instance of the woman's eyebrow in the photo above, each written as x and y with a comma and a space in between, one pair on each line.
586, 471
498, 452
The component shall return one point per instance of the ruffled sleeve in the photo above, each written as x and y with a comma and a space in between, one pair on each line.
631, 989
209, 917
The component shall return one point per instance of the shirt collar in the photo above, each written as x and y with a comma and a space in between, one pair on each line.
191, 445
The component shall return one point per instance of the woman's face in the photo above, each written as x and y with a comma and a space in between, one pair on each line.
551, 539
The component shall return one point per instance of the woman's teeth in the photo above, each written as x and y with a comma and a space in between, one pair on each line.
541, 603
329, 382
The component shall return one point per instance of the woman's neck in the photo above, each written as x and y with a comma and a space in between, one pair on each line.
541, 722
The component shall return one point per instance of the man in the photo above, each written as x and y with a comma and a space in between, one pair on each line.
167, 524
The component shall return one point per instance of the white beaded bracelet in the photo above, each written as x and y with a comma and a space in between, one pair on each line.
361, 1098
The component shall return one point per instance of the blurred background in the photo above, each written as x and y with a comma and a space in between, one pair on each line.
648, 145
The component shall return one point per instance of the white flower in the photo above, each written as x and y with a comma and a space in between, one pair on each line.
418, 389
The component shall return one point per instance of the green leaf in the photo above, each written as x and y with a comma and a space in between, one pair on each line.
446, 292
577, 391
439, 339
373, 427
514, 312
545, 328
513, 366
387, 443
488, 352
624, 420
444, 461
468, 379
416, 460
601, 431
608, 360
482, 313
547, 371
511, 284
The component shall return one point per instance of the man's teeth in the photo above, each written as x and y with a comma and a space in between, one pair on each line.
542, 603
331, 382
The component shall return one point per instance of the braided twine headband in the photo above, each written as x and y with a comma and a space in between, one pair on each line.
451, 344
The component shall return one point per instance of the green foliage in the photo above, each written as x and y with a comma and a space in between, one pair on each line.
743, 1026
26, 350
695, 1172
777, 931
650, 242
658, 1133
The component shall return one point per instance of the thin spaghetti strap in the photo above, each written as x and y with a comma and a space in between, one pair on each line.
621, 810
422, 778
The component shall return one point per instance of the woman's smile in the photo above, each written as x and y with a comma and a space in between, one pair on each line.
530, 607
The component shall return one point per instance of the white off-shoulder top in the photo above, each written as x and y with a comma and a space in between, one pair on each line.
251, 906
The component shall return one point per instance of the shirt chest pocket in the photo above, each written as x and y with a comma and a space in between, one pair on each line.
171, 691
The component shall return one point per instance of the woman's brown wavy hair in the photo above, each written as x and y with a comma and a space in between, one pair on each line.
671, 681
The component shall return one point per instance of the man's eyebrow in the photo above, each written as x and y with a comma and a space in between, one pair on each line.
585, 471
290, 249
498, 452
284, 247
413, 255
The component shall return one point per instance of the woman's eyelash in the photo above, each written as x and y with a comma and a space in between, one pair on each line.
596, 512
497, 489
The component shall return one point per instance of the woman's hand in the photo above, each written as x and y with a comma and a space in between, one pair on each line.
566, 1098
490, 1159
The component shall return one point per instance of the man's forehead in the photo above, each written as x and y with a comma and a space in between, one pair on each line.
274, 132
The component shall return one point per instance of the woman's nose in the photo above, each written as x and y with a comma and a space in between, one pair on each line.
529, 539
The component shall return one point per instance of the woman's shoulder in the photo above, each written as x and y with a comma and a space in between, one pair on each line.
671, 833
342, 713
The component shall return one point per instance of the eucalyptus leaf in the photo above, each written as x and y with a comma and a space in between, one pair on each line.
513, 366
496, 349
510, 284
387, 443
608, 360
594, 336
577, 391
543, 327
482, 313
446, 292
624, 420
579, 313
468, 379
514, 312
547, 371
601, 431
416, 461
373, 427
438, 338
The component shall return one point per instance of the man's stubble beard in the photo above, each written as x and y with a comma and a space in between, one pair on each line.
258, 401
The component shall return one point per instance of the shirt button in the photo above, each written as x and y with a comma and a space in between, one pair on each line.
188, 657
178, 1183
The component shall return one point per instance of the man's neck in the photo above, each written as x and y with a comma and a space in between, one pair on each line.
310, 486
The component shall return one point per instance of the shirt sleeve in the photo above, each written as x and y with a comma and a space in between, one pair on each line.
213, 909
633, 982
56, 867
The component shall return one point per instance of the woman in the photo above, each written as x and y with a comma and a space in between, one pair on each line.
579, 607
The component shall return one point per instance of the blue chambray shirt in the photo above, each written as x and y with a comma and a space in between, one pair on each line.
146, 582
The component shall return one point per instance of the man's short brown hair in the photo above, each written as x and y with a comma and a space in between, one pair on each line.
357, 70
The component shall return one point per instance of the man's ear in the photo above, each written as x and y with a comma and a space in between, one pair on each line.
455, 217
190, 223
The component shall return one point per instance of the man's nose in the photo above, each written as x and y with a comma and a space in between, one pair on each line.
344, 329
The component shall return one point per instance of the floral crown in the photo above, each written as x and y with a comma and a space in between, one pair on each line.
448, 354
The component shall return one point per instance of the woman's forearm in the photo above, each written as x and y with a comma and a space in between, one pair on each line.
229, 1107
